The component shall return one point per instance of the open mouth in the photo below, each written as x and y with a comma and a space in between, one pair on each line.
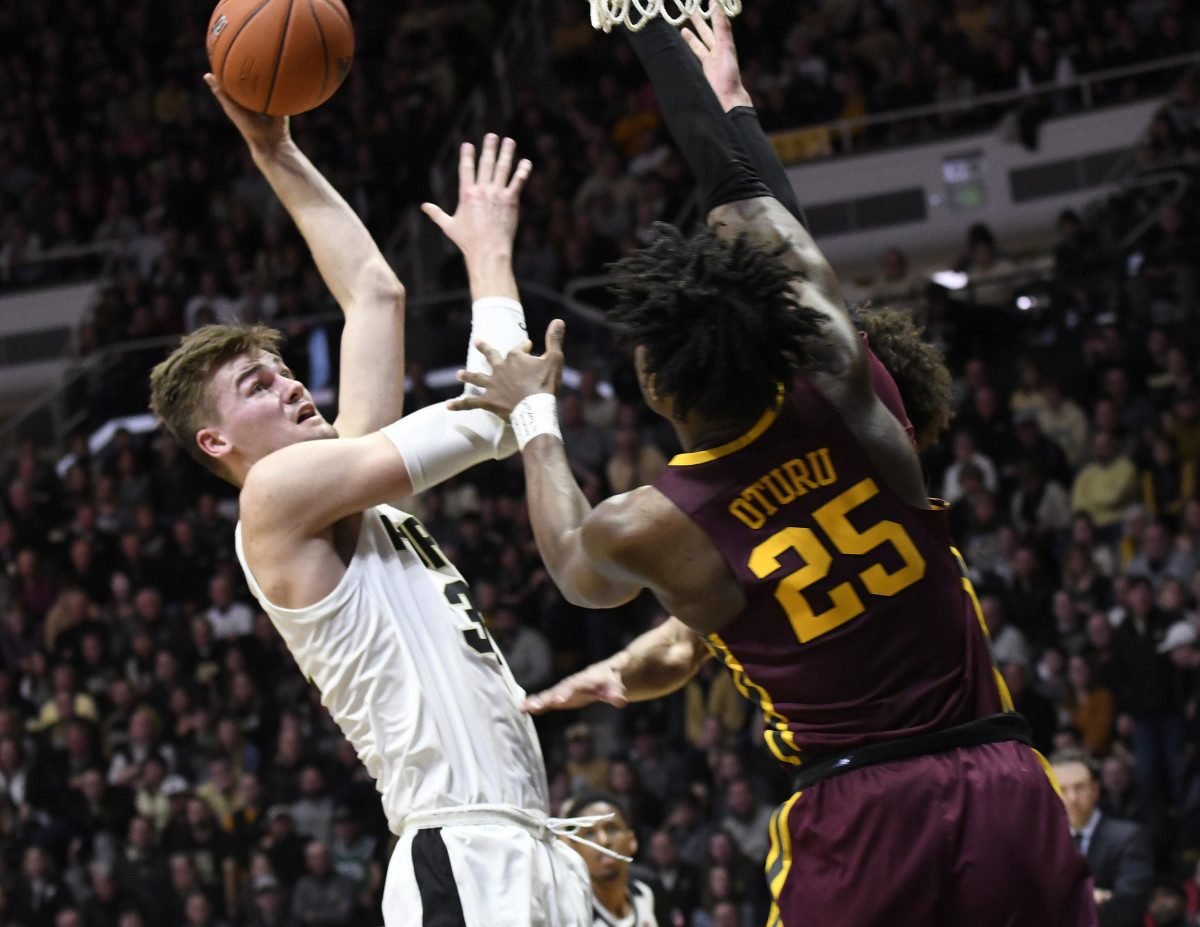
306, 412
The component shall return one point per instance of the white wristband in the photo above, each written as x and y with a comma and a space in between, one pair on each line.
535, 415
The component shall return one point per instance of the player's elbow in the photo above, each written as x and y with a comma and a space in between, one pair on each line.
378, 286
587, 589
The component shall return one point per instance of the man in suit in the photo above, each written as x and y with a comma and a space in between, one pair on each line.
1118, 851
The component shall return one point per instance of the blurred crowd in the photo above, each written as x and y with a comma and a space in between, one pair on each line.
162, 761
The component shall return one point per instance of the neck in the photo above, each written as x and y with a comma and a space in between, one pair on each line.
695, 435
613, 896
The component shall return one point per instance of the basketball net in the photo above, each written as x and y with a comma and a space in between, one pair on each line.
636, 13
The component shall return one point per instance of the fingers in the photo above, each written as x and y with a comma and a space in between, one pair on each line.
524, 169
492, 356
472, 378
721, 23
487, 159
466, 403
219, 92
555, 333
552, 699
535, 705
703, 29
466, 165
437, 214
699, 49
504, 162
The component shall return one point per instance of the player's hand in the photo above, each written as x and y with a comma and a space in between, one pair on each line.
485, 221
264, 134
600, 682
515, 376
713, 45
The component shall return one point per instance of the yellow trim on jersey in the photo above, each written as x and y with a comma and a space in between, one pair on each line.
778, 735
1049, 770
1006, 701
779, 857
698, 457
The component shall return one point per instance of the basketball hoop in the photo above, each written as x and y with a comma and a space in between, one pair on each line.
636, 13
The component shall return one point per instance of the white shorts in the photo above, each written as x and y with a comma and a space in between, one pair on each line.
485, 870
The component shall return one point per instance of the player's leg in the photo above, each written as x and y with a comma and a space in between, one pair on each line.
504, 874
857, 851
1014, 862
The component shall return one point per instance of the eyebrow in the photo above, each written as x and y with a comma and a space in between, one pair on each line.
250, 371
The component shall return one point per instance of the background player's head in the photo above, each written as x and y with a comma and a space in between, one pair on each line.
614, 833
1079, 785
916, 365
714, 324
229, 399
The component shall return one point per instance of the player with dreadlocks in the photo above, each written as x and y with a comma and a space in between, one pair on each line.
795, 535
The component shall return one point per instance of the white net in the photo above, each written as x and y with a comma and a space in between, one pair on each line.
636, 13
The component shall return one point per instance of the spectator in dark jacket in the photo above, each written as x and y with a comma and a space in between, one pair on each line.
1117, 851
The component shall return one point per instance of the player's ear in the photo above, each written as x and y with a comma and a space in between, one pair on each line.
213, 443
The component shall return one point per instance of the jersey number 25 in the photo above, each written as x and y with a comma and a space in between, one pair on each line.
833, 519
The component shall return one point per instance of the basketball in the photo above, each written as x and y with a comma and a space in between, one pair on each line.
280, 57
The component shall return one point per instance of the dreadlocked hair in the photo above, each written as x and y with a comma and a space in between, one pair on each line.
719, 321
916, 365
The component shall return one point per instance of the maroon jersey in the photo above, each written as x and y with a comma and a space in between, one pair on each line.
859, 625
889, 393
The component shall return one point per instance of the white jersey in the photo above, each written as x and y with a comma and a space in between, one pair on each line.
641, 909
408, 671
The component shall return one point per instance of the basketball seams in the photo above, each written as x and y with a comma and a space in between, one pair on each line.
229, 47
324, 52
279, 57
281, 63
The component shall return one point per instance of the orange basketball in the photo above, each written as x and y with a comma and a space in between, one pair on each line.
280, 57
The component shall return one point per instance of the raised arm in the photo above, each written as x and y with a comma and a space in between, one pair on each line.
297, 494
371, 391
655, 664
713, 46
733, 193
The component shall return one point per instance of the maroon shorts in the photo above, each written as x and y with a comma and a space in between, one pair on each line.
973, 837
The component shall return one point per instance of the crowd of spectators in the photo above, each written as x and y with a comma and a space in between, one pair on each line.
818, 62
162, 761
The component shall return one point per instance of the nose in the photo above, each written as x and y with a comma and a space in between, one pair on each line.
293, 389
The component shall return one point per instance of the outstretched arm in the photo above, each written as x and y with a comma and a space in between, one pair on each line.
579, 546
655, 664
371, 391
734, 195
713, 46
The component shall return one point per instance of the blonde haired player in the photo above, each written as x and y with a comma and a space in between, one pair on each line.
371, 610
